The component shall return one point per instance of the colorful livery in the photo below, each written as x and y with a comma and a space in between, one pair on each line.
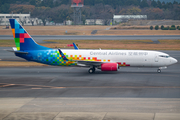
105, 60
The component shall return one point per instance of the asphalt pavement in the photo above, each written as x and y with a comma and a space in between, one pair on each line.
58, 93
40, 38
71, 93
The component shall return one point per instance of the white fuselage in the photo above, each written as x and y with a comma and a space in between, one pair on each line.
133, 58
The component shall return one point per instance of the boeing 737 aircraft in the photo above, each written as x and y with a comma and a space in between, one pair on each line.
105, 60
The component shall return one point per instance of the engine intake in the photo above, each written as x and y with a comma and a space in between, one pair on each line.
109, 67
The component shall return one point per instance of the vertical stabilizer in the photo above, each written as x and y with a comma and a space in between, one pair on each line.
75, 46
22, 39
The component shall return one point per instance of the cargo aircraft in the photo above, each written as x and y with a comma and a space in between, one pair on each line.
105, 60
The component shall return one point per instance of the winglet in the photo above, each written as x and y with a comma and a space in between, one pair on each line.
62, 54
75, 47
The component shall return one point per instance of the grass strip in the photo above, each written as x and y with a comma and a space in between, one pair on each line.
7, 43
19, 64
107, 44
100, 41
117, 44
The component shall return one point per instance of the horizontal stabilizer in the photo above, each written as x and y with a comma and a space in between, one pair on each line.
21, 52
16, 51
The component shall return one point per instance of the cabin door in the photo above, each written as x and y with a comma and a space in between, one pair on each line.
156, 59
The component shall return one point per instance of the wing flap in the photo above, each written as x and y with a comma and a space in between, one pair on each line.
88, 63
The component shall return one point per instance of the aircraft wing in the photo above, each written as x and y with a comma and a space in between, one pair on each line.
88, 63
81, 62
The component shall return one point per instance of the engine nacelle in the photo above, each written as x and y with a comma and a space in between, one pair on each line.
109, 67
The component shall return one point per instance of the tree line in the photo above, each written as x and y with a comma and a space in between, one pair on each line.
114, 3
60, 10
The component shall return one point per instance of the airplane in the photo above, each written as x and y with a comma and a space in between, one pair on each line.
74, 45
105, 60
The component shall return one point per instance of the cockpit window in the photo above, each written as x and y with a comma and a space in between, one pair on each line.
164, 56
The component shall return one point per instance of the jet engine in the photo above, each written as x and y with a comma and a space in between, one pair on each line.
109, 67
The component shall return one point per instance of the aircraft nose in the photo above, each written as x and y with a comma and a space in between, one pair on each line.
173, 60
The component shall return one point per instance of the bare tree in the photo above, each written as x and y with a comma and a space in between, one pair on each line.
41, 14
1, 19
32, 21
22, 20
43, 18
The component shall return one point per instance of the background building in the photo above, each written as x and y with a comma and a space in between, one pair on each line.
124, 18
94, 22
98, 21
68, 22
24, 19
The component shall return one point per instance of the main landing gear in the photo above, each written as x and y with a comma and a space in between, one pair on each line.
92, 70
159, 70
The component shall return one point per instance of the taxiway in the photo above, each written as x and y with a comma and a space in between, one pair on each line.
56, 93
40, 38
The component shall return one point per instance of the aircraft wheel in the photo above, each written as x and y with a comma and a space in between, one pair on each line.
91, 70
159, 70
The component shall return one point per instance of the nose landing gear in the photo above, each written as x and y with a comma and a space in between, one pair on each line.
160, 68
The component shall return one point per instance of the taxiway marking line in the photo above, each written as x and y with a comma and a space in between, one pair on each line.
86, 87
